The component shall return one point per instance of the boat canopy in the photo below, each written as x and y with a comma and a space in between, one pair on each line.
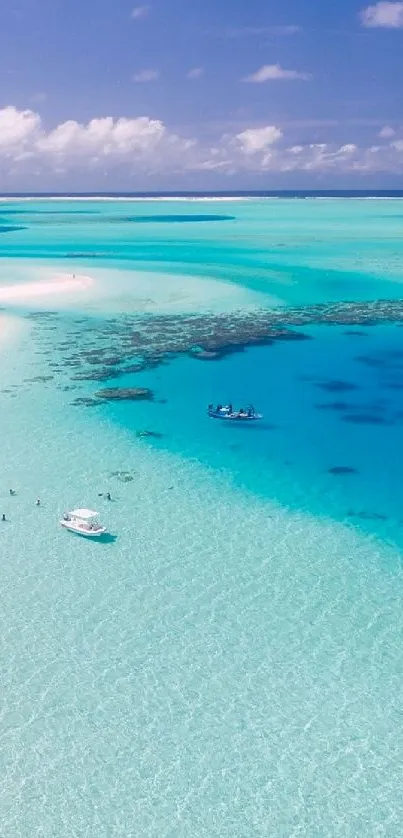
84, 514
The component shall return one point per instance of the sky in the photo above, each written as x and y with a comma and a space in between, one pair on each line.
200, 94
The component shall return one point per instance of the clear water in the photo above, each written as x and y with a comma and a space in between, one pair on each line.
230, 663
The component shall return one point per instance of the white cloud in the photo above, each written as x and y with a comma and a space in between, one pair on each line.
103, 138
274, 72
383, 14
349, 148
145, 146
386, 133
253, 140
18, 130
146, 75
195, 73
140, 12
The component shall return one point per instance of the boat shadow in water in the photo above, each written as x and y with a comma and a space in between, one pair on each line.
256, 426
105, 538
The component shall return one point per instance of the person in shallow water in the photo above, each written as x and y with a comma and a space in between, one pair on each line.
108, 496
12, 492
3, 517
38, 502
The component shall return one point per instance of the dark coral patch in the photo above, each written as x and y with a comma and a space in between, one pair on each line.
342, 470
371, 360
336, 386
365, 419
334, 406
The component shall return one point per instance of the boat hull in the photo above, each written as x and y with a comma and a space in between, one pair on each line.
228, 417
86, 533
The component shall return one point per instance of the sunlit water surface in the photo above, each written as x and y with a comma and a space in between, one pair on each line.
228, 662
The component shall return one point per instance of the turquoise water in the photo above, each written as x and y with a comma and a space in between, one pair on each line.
229, 664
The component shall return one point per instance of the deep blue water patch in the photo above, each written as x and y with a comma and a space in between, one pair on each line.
6, 228
335, 457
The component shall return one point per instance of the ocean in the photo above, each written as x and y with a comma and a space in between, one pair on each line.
228, 661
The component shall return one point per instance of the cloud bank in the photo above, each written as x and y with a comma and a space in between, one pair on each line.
141, 145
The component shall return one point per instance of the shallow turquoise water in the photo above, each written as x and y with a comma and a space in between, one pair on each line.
230, 665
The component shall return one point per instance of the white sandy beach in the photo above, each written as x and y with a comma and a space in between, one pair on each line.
60, 284
111, 291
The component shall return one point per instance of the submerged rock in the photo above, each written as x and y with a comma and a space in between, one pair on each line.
98, 375
132, 368
204, 354
288, 334
125, 394
367, 516
39, 378
123, 476
85, 401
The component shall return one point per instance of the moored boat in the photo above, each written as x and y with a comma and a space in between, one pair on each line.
83, 522
227, 413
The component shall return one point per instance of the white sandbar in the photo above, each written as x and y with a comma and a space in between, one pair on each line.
61, 284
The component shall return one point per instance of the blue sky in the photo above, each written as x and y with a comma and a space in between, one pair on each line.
190, 94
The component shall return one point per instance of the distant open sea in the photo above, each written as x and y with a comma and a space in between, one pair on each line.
228, 663
242, 194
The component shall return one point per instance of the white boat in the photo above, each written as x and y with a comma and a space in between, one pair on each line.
83, 522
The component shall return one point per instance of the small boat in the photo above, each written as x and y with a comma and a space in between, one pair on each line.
226, 412
83, 522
